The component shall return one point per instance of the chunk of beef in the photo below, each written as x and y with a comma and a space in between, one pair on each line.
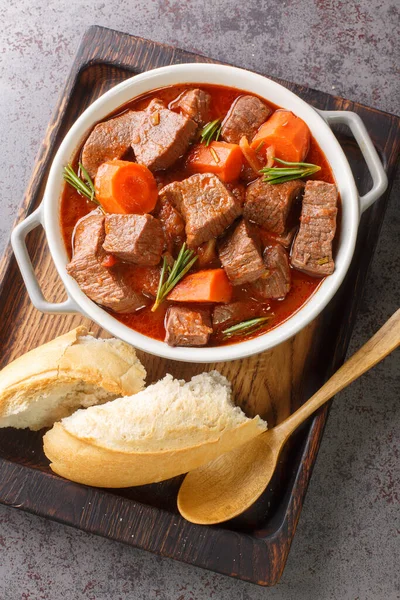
206, 205
100, 284
276, 280
157, 135
240, 255
312, 248
226, 315
109, 140
161, 136
195, 104
244, 118
187, 327
269, 204
134, 238
172, 224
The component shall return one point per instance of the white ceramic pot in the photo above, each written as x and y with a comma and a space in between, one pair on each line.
48, 214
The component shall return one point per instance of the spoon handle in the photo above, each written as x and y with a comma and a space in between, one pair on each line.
379, 346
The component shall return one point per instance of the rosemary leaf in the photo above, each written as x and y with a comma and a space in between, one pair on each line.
83, 186
290, 171
88, 180
211, 131
294, 164
160, 284
182, 273
245, 326
181, 266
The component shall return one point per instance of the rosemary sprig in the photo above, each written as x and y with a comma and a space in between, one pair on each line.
291, 171
181, 266
245, 327
84, 185
211, 132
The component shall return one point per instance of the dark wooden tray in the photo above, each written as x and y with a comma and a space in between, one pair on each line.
255, 546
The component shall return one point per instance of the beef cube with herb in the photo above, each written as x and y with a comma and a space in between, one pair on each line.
226, 315
312, 248
161, 136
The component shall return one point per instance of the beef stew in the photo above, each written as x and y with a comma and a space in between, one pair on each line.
195, 246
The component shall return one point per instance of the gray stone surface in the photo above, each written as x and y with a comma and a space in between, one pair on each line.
346, 543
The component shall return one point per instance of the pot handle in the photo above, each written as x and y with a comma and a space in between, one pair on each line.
18, 243
374, 164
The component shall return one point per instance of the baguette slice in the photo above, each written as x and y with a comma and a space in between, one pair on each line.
72, 371
169, 428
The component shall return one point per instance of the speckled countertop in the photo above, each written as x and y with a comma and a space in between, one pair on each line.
347, 539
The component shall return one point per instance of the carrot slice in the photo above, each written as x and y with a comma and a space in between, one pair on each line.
287, 133
125, 187
220, 158
211, 285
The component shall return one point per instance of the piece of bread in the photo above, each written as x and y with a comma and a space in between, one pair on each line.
72, 371
169, 428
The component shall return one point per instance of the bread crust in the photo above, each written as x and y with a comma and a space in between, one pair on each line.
88, 463
67, 360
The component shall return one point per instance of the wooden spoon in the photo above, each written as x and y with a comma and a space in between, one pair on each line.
228, 485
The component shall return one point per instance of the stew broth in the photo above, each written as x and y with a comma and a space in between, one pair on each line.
74, 206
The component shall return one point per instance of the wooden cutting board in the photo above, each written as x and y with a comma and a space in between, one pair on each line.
253, 547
